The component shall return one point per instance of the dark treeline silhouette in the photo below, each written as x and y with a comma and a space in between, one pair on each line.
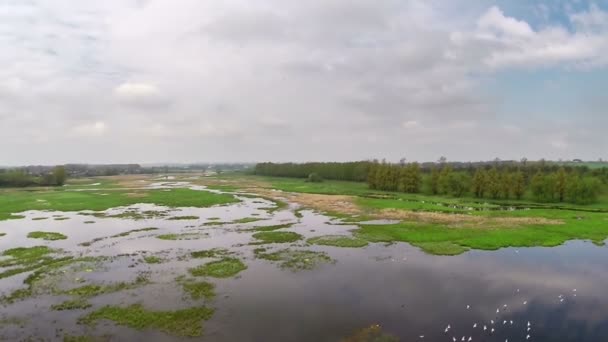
541, 181
55, 176
350, 171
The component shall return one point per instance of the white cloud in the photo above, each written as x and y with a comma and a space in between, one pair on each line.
94, 129
259, 80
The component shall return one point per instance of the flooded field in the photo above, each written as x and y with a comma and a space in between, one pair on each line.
255, 271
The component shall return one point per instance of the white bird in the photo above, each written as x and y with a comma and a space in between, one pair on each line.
561, 300
525, 302
421, 336
474, 325
485, 328
491, 331
468, 307
454, 339
463, 338
492, 321
504, 322
497, 310
527, 337
511, 322
528, 329
573, 290
505, 305
470, 339
528, 323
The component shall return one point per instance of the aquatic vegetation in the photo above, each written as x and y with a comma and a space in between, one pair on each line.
89, 222
277, 237
152, 259
248, 220
215, 223
183, 323
198, 289
294, 260
18, 201
49, 236
127, 233
93, 290
271, 228
78, 304
211, 253
337, 241
2, 234
39, 218
177, 218
61, 218
182, 236
223, 268
123, 234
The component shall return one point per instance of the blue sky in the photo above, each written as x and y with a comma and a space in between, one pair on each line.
235, 80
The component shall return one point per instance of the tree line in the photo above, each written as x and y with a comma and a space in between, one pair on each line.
541, 181
20, 178
349, 171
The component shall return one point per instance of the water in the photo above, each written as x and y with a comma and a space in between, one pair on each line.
408, 293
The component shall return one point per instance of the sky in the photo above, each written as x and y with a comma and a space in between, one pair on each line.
148, 81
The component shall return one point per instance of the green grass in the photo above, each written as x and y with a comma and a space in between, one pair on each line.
210, 253
178, 218
247, 220
49, 236
277, 237
439, 239
15, 201
93, 290
198, 289
225, 268
294, 260
77, 304
182, 236
2, 234
271, 228
152, 259
183, 323
123, 234
338, 241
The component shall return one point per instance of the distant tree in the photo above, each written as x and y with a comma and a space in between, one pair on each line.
314, 178
479, 183
434, 181
519, 184
506, 185
459, 183
60, 175
494, 183
444, 180
561, 179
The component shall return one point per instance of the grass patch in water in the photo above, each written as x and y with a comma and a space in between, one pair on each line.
198, 289
338, 241
152, 259
294, 260
19, 200
271, 228
178, 218
39, 218
215, 223
182, 236
93, 290
49, 236
225, 268
211, 253
123, 234
127, 233
277, 237
247, 220
183, 323
77, 304
2, 234
89, 222
61, 218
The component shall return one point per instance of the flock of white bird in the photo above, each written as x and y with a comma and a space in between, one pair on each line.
492, 325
